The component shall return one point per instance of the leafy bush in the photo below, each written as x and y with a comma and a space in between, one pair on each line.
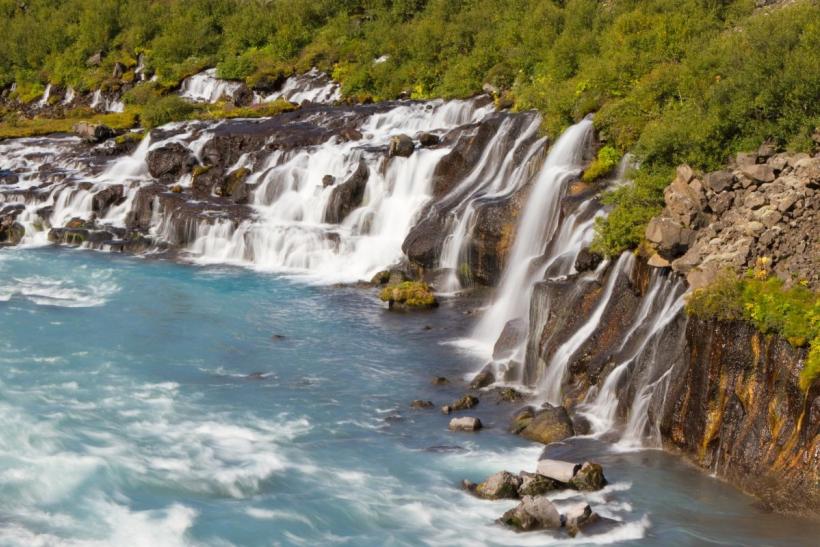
793, 313
170, 108
607, 160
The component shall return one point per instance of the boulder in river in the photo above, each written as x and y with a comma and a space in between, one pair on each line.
558, 470
589, 477
420, 404
400, 145
465, 423
501, 485
533, 513
548, 425
579, 476
533, 484
577, 517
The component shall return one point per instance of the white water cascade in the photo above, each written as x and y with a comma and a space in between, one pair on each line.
313, 86
659, 306
107, 104
497, 175
288, 232
538, 223
206, 87
46, 96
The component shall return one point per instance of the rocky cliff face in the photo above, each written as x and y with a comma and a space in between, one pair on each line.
734, 407
767, 204
721, 393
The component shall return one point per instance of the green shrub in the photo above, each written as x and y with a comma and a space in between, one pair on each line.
170, 108
606, 161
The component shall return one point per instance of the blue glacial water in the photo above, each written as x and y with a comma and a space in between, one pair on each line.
148, 403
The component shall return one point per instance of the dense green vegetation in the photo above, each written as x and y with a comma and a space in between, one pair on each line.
410, 294
793, 313
671, 81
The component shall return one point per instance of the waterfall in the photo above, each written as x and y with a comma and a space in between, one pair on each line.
70, 94
534, 232
497, 175
659, 306
107, 104
313, 86
44, 99
552, 382
206, 87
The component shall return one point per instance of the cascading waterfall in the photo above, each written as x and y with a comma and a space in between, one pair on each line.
288, 232
313, 86
108, 104
535, 229
553, 378
206, 87
44, 99
495, 176
660, 305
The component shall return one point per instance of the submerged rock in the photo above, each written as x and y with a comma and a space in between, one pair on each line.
465, 403
440, 381
465, 423
419, 404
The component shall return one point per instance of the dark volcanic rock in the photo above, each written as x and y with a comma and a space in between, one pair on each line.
170, 161
735, 406
347, 196
400, 145
587, 260
483, 378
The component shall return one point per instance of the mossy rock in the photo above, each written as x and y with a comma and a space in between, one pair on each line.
409, 294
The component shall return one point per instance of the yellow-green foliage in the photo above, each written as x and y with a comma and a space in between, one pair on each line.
413, 294
603, 165
226, 110
672, 81
17, 127
793, 313
129, 137
171, 108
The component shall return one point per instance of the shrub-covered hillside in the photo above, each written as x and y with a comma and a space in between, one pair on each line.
672, 81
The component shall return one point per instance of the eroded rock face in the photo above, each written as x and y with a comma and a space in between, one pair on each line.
170, 161
347, 196
735, 407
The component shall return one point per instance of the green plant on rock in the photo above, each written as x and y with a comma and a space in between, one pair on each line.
606, 162
411, 294
793, 313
